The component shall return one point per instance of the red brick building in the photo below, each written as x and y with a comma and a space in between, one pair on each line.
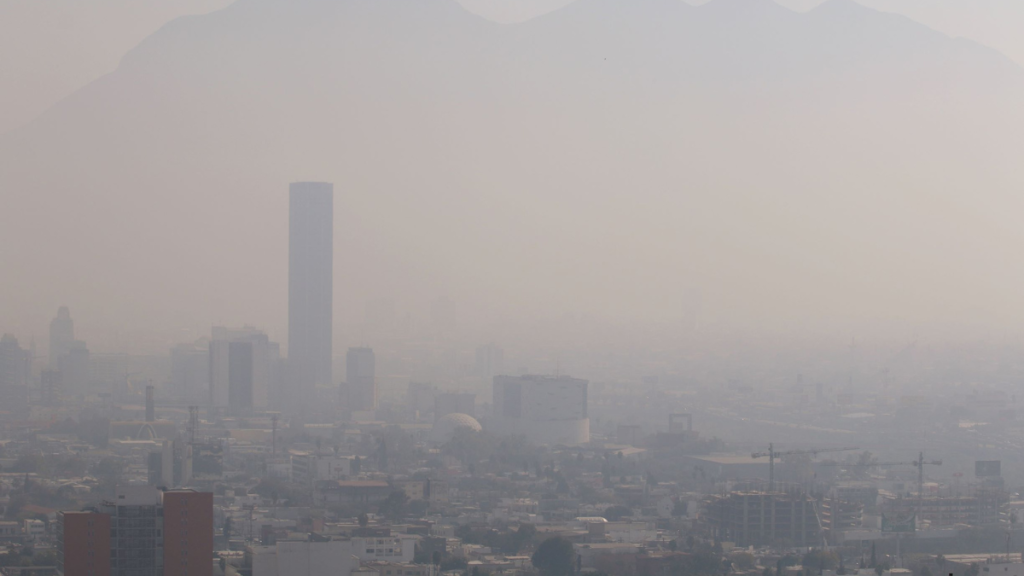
188, 533
83, 543
145, 532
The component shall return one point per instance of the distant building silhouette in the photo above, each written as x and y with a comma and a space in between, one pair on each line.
190, 372
68, 356
75, 369
62, 335
310, 285
15, 371
241, 368
545, 409
361, 379
490, 361
454, 403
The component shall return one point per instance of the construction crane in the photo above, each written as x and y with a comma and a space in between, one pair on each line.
772, 455
920, 463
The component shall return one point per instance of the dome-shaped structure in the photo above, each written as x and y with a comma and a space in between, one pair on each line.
444, 429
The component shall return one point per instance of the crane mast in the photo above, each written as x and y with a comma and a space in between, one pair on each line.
772, 454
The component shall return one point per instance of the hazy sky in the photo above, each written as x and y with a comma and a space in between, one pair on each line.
49, 48
625, 159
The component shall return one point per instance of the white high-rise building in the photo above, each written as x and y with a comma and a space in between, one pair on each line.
310, 286
546, 409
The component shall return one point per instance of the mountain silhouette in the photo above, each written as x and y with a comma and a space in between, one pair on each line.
836, 164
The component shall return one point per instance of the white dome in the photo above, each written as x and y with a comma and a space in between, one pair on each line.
444, 429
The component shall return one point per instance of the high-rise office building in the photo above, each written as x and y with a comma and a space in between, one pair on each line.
144, 532
171, 467
240, 381
241, 368
62, 335
545, 409
75, 369
136, 529
15, 363
15, 372
188, 533
361, 379
310, 284
190, 372
490, 361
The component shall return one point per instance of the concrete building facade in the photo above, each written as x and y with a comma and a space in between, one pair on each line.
546, 409
83, 543
241, 368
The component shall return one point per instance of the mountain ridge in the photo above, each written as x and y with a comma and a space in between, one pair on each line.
806, 154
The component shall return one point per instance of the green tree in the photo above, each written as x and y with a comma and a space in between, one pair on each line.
821, 560
679, 508
453, 563
521, 538
394, 506
47, 558
418, 508
555, 557
704, 563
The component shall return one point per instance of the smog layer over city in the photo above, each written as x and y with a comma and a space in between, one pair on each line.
511, 287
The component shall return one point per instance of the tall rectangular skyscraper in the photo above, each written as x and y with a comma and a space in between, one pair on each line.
310, 284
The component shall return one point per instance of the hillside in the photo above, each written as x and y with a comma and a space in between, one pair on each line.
837, 165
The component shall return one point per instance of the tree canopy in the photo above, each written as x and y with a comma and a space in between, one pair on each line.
555, 557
